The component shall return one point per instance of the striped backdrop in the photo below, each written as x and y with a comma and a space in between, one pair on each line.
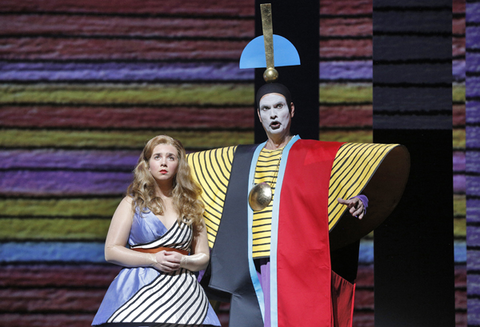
472, 168
84, 84
346, 114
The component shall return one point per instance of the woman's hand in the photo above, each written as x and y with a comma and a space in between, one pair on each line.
168, 261
355, 205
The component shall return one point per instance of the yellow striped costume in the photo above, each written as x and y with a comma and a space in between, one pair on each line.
353, 167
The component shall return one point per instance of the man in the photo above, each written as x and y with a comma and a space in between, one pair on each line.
269, 209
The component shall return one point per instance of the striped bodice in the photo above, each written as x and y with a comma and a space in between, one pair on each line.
177, 237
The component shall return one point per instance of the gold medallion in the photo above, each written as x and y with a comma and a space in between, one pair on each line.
260, 196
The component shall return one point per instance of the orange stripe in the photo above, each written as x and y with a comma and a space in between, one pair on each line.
160, 248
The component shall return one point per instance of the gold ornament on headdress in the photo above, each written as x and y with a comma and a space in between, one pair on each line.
270, 74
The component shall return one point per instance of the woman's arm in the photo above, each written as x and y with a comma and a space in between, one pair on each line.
117, 238
200, 256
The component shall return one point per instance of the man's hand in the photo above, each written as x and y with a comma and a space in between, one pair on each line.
355, 205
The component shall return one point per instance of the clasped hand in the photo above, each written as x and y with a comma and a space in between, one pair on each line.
168, 261
355, 205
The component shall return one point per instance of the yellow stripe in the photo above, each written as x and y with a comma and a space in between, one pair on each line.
266, 171
211, 169
354, 165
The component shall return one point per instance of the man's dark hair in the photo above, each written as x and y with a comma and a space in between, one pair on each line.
273, 88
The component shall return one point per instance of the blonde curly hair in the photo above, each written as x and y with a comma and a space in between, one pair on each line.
186, 192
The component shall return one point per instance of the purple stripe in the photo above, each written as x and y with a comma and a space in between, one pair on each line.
473, 237
473, 185
473, 113
472, 11
473, 86
473, 62
458, 161
63, 183
473, 210
473, 284
346, 70
473, 257
459, 183
458, 70
122, 71
473, 39
473, 309
74, 159
472, 135
473, 161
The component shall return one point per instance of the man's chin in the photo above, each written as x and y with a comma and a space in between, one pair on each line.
276, 132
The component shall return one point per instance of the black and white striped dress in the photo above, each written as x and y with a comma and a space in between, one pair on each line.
147, 297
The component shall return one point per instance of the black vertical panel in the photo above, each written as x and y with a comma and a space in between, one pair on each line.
298, 21
412, 103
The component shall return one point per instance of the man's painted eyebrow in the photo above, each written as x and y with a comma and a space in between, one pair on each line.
274, 105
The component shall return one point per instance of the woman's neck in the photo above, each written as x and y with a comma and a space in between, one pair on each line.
164, 190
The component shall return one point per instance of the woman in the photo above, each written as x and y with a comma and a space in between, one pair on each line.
161, 221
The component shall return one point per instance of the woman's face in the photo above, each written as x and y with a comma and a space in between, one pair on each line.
163, 163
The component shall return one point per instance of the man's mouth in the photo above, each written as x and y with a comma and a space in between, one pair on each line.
274, 124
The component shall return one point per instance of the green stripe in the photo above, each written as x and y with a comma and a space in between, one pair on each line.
120, 139
54, 229
460, 228
458, 92
340, 93
58, 207
459, 205
458, 136
163, 94
347, 136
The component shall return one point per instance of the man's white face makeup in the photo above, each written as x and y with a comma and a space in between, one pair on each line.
274, 114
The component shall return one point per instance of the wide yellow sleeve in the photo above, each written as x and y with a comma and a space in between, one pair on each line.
354, 165
380, 171
211, 169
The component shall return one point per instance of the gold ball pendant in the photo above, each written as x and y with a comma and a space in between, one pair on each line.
260, 196
270, 75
